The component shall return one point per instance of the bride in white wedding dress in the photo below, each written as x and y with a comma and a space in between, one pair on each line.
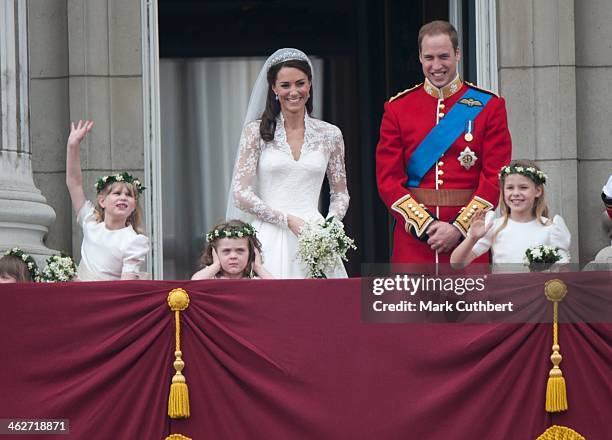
283, 157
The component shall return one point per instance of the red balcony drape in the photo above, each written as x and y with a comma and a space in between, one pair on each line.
289, 360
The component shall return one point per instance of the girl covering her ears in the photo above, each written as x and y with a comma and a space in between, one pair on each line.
113, 246
524, 222
233, 252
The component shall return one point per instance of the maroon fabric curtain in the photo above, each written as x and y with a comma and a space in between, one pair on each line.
291, 360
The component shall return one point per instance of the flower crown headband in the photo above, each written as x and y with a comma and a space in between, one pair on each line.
124, 177
539, 177
231, 232
27, 259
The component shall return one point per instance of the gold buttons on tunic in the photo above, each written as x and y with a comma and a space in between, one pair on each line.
440, 181
441, 115
440, 163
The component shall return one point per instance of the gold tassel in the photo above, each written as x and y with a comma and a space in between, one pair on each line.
556, 393
177, 437
556, 432
178, 401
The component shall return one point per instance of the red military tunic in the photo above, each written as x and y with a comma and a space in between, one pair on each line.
408, 118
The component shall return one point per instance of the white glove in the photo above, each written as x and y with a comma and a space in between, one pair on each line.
607, 189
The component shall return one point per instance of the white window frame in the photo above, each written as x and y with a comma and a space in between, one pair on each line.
487, 74
152, 134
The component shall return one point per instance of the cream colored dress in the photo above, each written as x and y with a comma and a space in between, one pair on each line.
106, 253
269, 184
511, 242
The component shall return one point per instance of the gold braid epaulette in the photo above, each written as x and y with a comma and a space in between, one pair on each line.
402, 93
474, 86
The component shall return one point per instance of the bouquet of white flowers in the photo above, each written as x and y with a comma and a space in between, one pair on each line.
541, 257
60, 268
321, 246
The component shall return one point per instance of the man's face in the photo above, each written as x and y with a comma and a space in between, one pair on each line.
439, 59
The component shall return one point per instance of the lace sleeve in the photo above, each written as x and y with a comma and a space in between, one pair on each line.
244, 175
336, 174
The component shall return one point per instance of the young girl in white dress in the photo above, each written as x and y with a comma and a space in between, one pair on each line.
233, 252
283, 157
113, 246
524, 222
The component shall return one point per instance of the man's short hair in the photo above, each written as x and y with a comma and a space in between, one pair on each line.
439, 27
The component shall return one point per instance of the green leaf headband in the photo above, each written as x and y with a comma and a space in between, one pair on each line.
124, 177
231, 232
27, 259
539, 177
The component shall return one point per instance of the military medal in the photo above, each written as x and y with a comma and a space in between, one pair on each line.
469, 126
467, 158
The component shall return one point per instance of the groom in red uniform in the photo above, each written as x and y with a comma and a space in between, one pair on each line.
441, 146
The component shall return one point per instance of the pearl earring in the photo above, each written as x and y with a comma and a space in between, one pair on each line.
276, 96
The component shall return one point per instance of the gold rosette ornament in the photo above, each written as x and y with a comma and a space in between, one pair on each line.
556, 432
178, 402
556, 393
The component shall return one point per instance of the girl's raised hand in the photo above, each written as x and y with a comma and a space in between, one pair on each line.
216, 262
258, 262
259, 268
477, 226
74, 175
78, 132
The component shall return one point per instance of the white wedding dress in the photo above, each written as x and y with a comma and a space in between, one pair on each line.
269, 184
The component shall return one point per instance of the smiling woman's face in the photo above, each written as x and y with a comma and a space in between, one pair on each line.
292, 88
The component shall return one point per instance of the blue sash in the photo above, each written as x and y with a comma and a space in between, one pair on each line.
443, 135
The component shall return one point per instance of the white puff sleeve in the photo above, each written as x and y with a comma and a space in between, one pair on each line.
86, 214
561, 238
484, 244
134, 253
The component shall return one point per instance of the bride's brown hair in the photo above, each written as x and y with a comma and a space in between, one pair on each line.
267, 127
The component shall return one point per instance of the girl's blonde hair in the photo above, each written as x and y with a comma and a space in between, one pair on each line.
231, 225
540, 208
135, 217
13, 266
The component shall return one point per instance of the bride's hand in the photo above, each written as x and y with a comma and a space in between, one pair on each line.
295, 224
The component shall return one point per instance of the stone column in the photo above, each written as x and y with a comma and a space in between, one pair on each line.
594, 116
24, 215
537, 76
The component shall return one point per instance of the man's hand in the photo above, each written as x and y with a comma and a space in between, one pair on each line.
443, 237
